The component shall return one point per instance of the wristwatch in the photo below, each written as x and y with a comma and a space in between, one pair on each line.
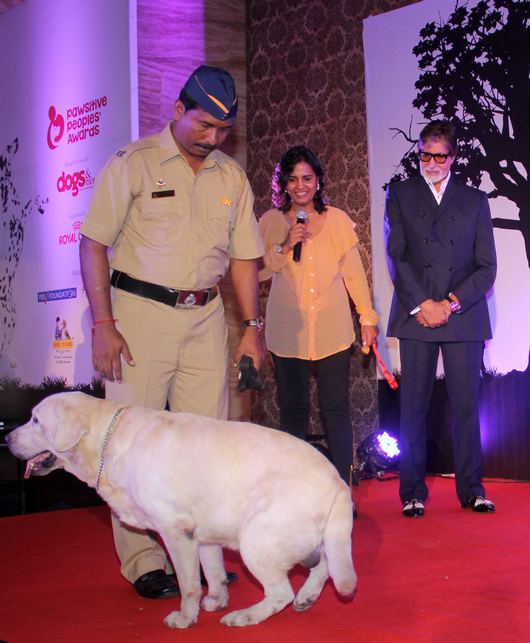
454, 303
258, 323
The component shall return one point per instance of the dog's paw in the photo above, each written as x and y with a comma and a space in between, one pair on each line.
177, 620
214, 602
239, 618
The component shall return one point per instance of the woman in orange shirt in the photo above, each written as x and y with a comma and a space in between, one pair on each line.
308, 319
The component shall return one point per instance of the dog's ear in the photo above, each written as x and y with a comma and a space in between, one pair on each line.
65, 437
63, 423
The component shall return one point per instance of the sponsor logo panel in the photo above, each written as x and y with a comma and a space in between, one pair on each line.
68, 238
56, 295
55, 127
75, 182
63, 342
82, 122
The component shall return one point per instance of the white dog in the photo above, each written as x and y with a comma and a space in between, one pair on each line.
202, 484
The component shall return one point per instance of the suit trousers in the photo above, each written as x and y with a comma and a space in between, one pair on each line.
462, 362
181, 361
292, 381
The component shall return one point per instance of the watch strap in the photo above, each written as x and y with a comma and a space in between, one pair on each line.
258, 322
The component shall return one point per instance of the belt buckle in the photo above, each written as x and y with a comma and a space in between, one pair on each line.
190, 300
174, 292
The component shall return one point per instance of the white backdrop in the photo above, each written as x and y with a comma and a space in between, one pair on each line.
391, 71
68, 100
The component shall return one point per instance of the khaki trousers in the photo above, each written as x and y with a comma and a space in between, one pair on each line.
181, 360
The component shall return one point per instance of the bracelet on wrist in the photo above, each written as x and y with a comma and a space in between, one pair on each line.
257, 322
102, 321
454, 303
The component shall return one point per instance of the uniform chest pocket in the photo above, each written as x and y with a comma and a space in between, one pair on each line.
219, 226
160, 206
154, 217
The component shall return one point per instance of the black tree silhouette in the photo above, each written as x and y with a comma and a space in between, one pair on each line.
475, 71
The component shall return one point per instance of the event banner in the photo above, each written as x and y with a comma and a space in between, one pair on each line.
68, 100
456, 60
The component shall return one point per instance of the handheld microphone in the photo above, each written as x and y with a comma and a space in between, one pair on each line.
301, 216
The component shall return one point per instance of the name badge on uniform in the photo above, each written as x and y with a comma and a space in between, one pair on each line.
162, 194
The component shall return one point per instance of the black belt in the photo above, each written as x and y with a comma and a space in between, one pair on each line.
164, 295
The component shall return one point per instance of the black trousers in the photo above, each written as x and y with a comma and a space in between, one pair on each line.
462, 361
292, 381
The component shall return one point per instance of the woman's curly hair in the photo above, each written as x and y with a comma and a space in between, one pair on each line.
282, 171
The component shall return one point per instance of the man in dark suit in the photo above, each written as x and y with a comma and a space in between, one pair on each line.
441, 257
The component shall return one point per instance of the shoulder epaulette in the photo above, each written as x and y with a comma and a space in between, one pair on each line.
137, 146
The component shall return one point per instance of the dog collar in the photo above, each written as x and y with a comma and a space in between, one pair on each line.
108, 433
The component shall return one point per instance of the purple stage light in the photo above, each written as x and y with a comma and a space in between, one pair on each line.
388, 444
376, 454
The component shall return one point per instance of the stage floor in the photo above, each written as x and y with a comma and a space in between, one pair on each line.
454, 576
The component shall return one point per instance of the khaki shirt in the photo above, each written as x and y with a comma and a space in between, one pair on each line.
167, 225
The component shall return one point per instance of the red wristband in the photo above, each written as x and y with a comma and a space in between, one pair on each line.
101, 321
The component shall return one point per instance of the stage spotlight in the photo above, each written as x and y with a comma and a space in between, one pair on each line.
377, 454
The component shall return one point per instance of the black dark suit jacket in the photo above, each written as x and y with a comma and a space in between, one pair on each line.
436, 249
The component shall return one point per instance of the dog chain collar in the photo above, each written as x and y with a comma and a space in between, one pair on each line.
106, 439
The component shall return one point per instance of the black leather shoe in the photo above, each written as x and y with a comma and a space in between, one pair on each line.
413, 509
231, 577
156, 584
479, 504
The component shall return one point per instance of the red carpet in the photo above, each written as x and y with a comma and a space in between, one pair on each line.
454, 576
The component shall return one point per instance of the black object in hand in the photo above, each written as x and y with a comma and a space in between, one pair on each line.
301, 216
248, 375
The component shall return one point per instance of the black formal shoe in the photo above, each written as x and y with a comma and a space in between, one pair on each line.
413, 509
231, 577
156, 584
479, 504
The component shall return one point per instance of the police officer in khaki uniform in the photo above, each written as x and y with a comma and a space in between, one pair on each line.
176, 213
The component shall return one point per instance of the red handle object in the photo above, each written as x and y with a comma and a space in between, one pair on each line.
388, 375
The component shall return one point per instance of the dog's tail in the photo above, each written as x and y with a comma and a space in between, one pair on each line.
338, 543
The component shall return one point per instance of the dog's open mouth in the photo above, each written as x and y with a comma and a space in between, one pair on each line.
42, 461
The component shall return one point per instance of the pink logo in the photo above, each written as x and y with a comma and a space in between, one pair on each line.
55, 128
71, 237
74, 182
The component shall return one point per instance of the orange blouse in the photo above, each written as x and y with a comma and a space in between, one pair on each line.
308, 312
